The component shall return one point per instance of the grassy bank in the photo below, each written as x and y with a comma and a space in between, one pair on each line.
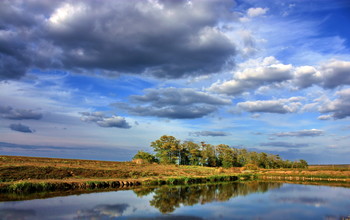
330, 173
65, 185
32, 174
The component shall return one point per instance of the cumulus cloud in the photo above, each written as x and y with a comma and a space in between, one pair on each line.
335, 73
166, 39
284, 144
329, 75
254, 12
302, 133
174, 103
21, 128
253, 74
339, 107
18, 114
324, 117
104, 121
259, 73
280, 106
209, 133
306, 76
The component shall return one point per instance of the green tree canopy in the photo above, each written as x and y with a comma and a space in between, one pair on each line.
170, 150
167, 149
145, 156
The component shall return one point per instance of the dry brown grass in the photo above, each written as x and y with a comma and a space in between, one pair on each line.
322, 171
15, 168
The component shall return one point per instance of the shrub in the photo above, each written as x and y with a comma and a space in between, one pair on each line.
250, 166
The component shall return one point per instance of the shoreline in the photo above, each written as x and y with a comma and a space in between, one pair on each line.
31, 186
35, 174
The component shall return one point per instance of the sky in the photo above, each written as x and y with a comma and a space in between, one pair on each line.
103, 79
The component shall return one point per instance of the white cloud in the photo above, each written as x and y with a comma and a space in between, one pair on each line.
306, 76
280, 106
254, 12
302, 133
105, 121
325, 117
335, 73
259, 74
209, 133
253, 74
339, 107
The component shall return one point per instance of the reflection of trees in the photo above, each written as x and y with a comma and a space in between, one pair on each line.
140, 192
166, 199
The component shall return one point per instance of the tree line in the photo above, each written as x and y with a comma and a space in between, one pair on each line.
169, 150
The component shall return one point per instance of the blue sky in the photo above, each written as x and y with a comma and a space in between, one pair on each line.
101, 80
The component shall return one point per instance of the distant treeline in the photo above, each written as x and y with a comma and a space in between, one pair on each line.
169, 150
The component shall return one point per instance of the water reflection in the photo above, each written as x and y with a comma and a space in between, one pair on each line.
166, 199
16, 214
101, 211
253, 200
317, 202
168, 217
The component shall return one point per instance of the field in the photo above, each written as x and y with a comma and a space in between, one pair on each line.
32, 169
36, 173
317, 172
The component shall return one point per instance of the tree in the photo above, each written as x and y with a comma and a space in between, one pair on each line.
145, 156
167, 149
226, 156
303, 164
208, 155
193, 152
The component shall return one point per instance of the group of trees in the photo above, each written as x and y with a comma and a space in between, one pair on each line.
170, 150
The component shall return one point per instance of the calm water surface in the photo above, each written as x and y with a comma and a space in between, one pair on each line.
254, 200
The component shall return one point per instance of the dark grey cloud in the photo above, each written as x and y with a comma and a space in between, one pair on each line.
302, 133
105, 121
21, 128
172, 112
21, 42
178, 96
18, 114
166, 39
174, 103
284, 144
280, 106
338, 108
209, 133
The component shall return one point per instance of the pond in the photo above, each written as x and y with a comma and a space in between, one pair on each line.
251, 200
